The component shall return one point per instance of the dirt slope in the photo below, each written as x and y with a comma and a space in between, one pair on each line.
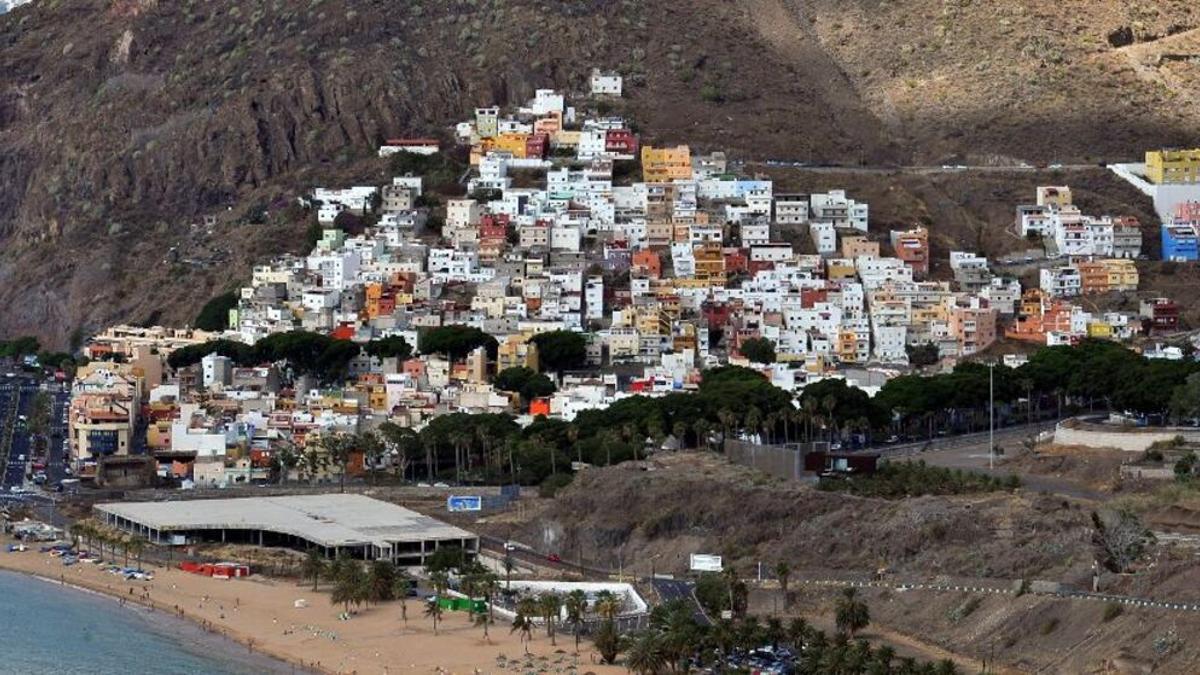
686, 504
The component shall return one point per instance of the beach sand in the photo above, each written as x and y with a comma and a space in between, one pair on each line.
259, 613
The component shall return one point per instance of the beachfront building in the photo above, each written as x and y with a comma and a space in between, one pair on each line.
359, 526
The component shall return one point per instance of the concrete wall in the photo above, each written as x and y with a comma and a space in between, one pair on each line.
1165, 197
777, 460
1133, 439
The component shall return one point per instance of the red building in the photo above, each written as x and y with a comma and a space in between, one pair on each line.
493, 226
809, 297
536, 146
756, 266
1160, 314
621, 142
736, 261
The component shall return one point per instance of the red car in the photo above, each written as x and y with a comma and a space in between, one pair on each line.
553, 557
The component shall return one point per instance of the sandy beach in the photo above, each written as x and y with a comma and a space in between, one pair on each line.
260, 614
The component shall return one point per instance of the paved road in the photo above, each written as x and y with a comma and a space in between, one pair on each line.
1005, 436
1129, 600
970, 453
794, 165
676, 589
58, 457
18, 394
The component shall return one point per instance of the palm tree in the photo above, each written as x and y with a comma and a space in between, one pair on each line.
645, 654
351, 585
461, 441
440, 582
753, 419
784, 572
608, 641
433, 610
728, 420
576, 606
884, 657
400, 589
703, 429
679, 431
82, 531
551, 606
852, 613
607, 605
770, 424
573, 439
798, 632
508, 570
314, 566
527, 608
136, 546
829, 403
812, 412
381, 581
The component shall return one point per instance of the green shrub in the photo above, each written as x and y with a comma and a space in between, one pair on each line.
1111, 611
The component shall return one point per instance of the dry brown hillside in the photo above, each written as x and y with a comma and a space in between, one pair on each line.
124, 121
696, 503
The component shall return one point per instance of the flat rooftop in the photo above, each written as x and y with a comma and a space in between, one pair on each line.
327, 520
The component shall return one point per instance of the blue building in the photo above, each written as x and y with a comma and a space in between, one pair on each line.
1179, 243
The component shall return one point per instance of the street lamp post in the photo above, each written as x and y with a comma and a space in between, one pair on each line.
991, 417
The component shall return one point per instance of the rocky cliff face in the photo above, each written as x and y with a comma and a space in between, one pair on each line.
123, 122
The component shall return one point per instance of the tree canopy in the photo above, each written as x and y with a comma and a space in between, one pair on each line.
561, 350
456, 341
389, 347
214, 316
524, 381
759, 350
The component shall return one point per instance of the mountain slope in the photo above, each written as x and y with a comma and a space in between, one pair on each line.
123, 122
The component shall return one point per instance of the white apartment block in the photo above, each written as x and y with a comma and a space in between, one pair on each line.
835, 207
605, 83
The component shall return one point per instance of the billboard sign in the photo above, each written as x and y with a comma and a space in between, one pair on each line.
705, 563
464, 503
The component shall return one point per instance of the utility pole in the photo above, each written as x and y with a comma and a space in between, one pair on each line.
991, 417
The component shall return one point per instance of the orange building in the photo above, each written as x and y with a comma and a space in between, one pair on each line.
710, 264
663, 165
1039, 314
912, 248
646, 263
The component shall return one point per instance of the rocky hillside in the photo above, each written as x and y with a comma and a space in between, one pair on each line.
123, 122
688, 503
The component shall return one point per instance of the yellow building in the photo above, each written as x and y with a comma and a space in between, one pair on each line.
515, 351
1122, 274
840, 268
663, 165
512, 142
1100, 329
847, 346
652, 321
1173, 166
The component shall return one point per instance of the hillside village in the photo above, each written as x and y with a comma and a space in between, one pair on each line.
581, 268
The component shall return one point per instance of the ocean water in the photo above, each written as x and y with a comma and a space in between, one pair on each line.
46, 628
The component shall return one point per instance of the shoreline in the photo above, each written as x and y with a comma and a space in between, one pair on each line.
146, 609
196, 633
290, 624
